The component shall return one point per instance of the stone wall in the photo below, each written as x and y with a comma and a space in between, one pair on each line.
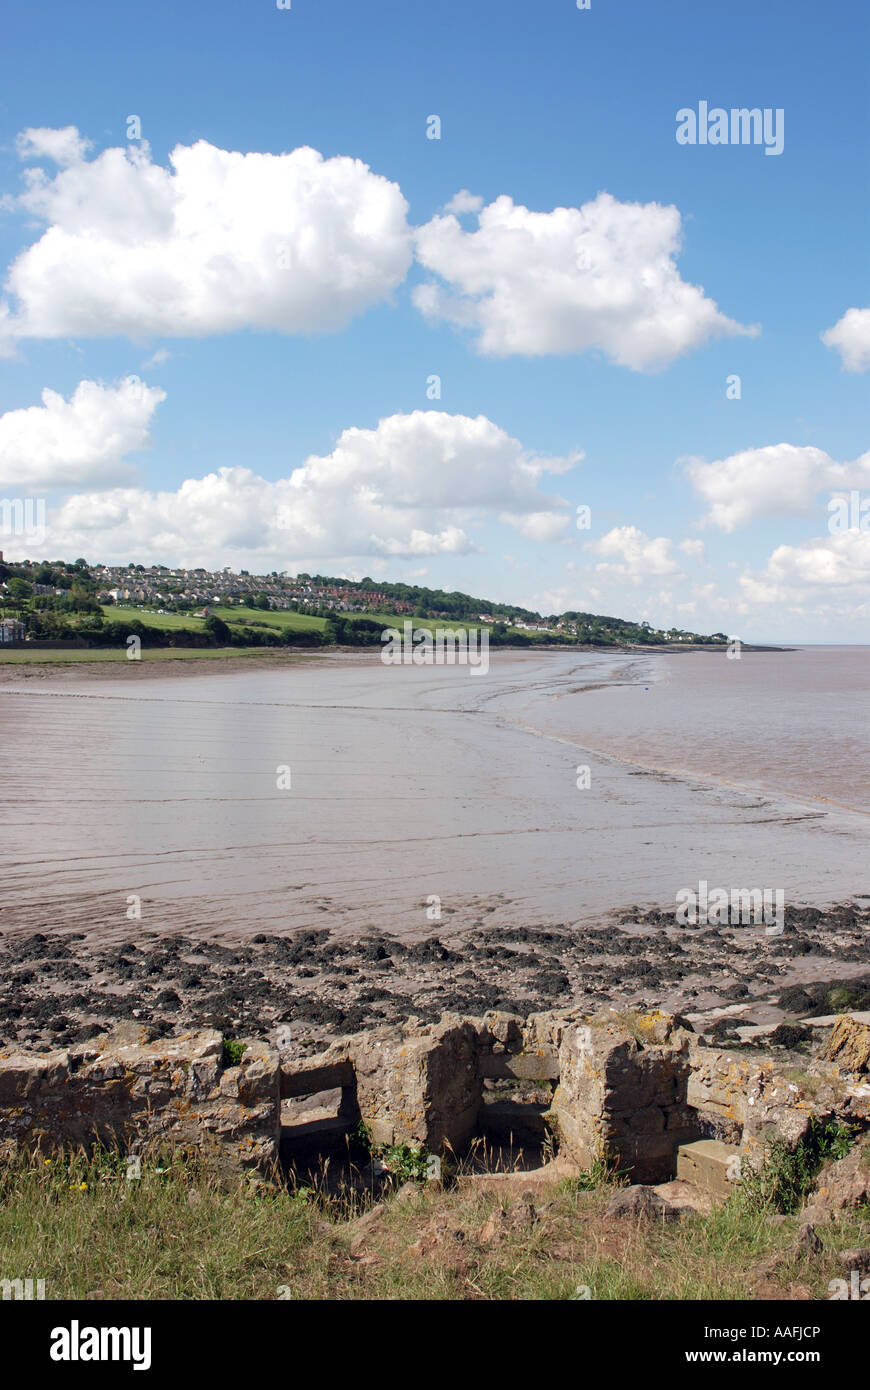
623, 1100
627, 1090
126, 1090
752, 1101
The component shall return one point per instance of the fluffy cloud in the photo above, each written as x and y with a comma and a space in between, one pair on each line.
831, 571
415, 485
81, 442
599, 276
463, 202
778, 480
694, 549
537, 526
629, 552
222, 241
62, 147
851, 338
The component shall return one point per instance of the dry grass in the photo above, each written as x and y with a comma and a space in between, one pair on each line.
178, 1232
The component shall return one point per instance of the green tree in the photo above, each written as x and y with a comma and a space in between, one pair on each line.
218, 629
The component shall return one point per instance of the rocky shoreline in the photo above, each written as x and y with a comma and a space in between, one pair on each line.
63, 988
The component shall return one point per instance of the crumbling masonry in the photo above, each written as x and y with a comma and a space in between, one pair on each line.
631, 1091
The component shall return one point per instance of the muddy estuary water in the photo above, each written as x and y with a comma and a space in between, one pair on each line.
331, 843
407, 784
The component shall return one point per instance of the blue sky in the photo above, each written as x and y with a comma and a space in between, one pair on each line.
543, 104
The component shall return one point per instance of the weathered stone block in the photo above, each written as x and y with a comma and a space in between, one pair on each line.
709, 1164
843, 1183
615, 1095
129, 1091
523, 1066
308, 1077
849, 1045
421, 1087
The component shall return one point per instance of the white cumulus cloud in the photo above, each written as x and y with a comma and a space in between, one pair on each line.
777, 480
415, 485
599, 276
694, 549
64, 146
850, 336
628, 551
218, 242
80, 442
537, 526
463, 201
830, 573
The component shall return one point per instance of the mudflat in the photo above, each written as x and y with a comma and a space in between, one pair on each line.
331, 842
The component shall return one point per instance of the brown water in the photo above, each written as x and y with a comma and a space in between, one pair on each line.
793, 721
413, 783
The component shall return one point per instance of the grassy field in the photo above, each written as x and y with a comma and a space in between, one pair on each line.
284, 618
235, 616
277, 618
119, 613
274, 619
177, 1233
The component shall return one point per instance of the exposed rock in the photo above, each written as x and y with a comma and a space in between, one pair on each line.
757, 1100
124, 1089
642, 1204
790, 1035
686, 1198
316, 985
807, 1241
364, 1227
420, 1086
849, 1045
661, 1028
534, 1179
844, 1183
858, 1258
631, 1090
812, 1214
407, 1192
620, 1101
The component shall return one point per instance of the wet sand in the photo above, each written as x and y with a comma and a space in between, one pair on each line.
408, 788
424, 805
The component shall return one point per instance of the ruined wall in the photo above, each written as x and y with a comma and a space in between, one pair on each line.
622, 1099
752, 1101
629, 1091
421, 1086
124, 1089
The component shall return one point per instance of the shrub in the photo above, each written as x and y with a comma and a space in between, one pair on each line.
232, 1051
786, 1175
